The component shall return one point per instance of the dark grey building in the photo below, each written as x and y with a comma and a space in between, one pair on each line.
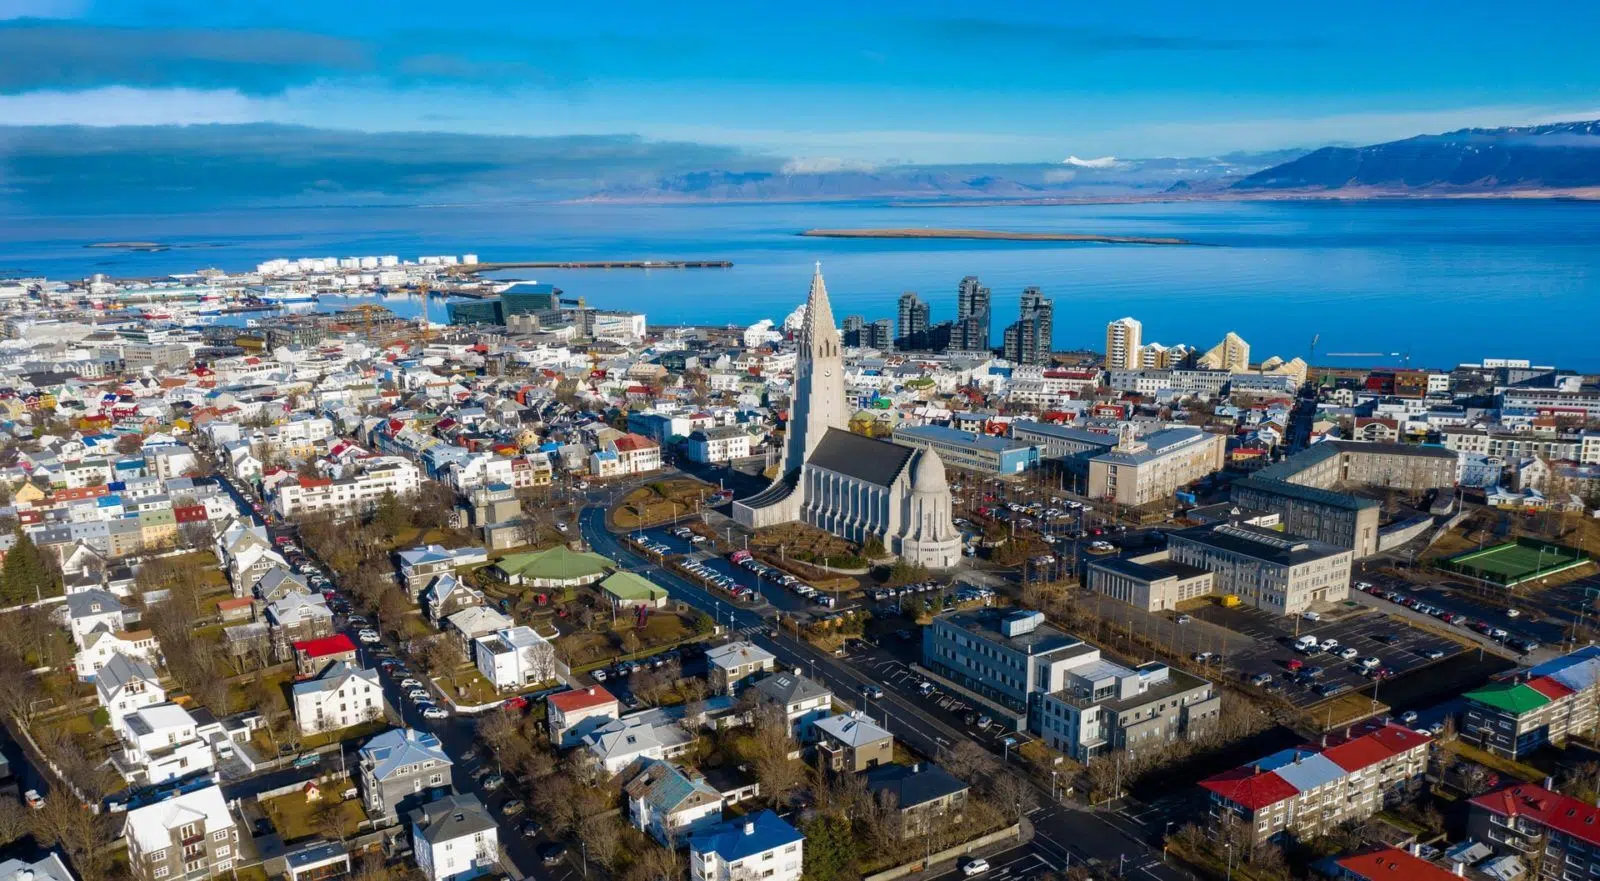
911, 330
853, 333
401, 769
879, 335
922, 793
971, 330
1028, 339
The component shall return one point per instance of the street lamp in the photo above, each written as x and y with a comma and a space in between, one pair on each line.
1230, 860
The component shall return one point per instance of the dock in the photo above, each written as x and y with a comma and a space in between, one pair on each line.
590, 264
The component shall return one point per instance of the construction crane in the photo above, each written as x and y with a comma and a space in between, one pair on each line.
427, 325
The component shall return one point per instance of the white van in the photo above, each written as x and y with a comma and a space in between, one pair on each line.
1306, 644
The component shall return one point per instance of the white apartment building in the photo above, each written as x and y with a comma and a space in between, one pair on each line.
1124, 349
718, 444
187, 836
514, 657
339, 697
348, 496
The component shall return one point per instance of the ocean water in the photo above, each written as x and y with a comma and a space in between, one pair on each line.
1443, 282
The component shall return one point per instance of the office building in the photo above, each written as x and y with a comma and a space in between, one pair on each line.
1103, 707
1004, 656
1274, 571
911, 329
1308, 791
1551, 701
1146, 470
1124, 346
1153, 582
970, 451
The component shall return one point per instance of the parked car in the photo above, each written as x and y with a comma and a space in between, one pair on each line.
873, 692
1433, 654
33, 799
1349, 653
529, 829
974, 866
512, 808
1261, 680
368, 635
491, 782
551, 853
1409, 717
1184, 619
432, 712
308, 760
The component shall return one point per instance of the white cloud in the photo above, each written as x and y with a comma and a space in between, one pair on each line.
1102, 162
120, 105
42, 8
824, 165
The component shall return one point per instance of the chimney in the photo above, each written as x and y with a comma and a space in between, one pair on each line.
591, 689
749, 827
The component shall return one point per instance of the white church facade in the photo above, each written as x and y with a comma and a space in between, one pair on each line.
850, 485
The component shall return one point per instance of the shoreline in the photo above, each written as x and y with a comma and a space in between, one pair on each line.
992, 235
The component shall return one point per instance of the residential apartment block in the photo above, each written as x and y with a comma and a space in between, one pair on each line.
1540, 706
401, 769
1557, 833
1307, 791
185, 836
347, 496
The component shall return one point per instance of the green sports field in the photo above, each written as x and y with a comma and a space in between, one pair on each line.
1515, 562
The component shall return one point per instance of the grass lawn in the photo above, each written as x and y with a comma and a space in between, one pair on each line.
1490, 760
277, 683
1346, 709
354, 732
297, 818
660, 501
478, 690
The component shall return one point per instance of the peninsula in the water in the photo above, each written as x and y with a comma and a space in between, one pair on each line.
991, 234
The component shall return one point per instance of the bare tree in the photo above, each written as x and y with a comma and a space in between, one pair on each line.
771, 745
14, 820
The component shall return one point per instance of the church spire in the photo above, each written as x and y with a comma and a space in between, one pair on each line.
818, 326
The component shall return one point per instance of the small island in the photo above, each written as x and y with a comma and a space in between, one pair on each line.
129, 246
992, 235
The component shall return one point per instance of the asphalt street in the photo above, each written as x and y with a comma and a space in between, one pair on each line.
1084, 833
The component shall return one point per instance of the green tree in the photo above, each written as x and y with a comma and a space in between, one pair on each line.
26, 577
389, 515
831, 849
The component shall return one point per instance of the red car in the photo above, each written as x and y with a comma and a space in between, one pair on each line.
515, 703
1294, 665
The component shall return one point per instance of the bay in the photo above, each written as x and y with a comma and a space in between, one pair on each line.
1444, 281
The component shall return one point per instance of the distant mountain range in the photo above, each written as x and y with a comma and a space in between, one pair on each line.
1074, 178
1561, 156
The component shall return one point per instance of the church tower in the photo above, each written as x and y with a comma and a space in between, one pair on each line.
817, 403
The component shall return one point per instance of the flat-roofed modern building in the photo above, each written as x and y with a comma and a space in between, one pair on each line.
1153, 582
1144, 470
1270, 570
1104, 707
1003, 655
971, 451
1304, 488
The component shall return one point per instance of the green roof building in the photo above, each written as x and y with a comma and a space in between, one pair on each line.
555, 567
628, 590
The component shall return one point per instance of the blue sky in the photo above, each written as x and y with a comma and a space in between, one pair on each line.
821, 84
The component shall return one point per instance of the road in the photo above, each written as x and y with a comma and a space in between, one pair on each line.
1082, 832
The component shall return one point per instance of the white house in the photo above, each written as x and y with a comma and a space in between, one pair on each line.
339, 697
124, 685
761, 847
100, 645
454, 838
91, 610
159, 743
48, 868
669, 804
514, 657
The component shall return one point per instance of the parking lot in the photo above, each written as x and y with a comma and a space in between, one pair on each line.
781, 598
1361, 635
1450, 606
